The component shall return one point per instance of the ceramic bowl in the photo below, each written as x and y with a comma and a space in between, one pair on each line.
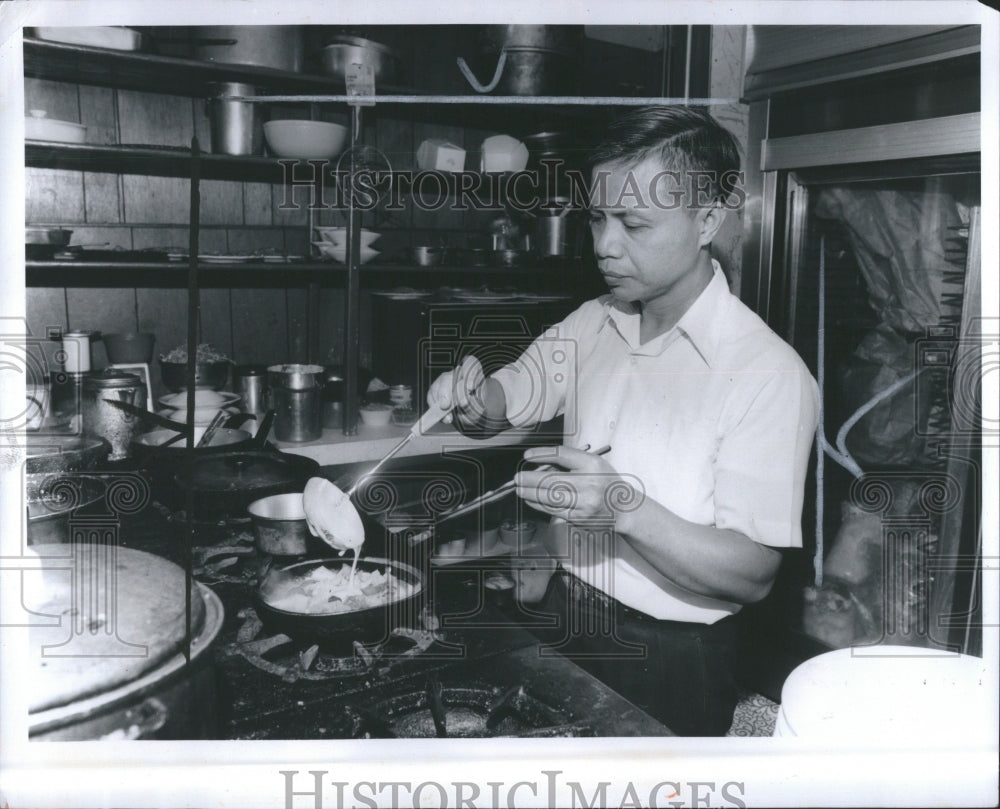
306, 140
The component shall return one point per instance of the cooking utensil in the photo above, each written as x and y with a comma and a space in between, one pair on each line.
213, 427
61, 454
337, 632
431, 417
498, 493
279, 524
37, 126
129, 347
124, 674
53, 498
264, 430
276, 46
223, 484
101, 417
345, 51
305, 140
150, 418
235, 126
113, 37
435, 703
58, 237
425, 256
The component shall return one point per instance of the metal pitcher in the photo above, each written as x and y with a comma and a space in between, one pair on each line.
101, 419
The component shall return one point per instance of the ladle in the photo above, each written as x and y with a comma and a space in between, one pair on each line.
331, 515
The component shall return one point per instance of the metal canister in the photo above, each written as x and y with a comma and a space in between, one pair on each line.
250, 382
101, 419
76, 350
297, 395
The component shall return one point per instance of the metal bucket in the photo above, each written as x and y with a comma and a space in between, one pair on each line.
236, 127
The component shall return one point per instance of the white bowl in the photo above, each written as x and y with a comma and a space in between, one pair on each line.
338, 236
202, 415
378, 416
202, 398
339, 252
39, 127
307, 140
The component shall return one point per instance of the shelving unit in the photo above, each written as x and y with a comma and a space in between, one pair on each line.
151, 72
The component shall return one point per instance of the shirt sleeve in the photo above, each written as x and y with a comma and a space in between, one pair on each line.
762, 459
536, 384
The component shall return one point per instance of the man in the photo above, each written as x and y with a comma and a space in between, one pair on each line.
709, 415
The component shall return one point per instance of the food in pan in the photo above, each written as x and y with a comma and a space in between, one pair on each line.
327, 590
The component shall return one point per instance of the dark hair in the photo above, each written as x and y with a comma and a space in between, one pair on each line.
685, 139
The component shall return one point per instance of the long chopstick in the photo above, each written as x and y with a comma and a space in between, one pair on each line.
501, 491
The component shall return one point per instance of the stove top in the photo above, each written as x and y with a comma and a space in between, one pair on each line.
468, 669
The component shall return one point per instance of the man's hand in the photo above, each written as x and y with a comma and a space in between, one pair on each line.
589, 490
458, 392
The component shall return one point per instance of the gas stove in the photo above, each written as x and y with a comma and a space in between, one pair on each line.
465, 668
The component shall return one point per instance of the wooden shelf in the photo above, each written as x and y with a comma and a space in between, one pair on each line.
165, 161
74, 272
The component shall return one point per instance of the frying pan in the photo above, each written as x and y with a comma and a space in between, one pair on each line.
337, 632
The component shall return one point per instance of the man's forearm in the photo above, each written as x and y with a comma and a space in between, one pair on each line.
702, 559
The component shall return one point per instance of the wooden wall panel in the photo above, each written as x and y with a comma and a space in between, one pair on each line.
154, 118
163, 200
102, 197
331, 325
58, 99
214, 319
104, 310
53, 196
256, 204
296, 312
163, 312
221, 202
97, 113
45, 308
260, 326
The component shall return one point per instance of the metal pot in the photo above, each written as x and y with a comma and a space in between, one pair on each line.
58, 237
344, 51
223, 484
425, 256
61, 454
277, 46
337, 632
557, 230
100, 419
279, 524
53, 500
539, 59
236, 126
133, 682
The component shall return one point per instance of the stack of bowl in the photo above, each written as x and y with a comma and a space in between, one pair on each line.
331, 242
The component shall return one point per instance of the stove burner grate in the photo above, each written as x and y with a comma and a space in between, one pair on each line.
291, 660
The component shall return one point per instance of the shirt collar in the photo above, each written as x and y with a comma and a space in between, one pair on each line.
700, 324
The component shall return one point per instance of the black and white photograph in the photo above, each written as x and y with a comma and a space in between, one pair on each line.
444, 405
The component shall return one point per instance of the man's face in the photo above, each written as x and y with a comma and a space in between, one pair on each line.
646, 237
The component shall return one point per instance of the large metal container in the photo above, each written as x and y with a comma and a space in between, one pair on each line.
236, 127
540, 59
53, 499
102, 419
121, 671
296, 396
347, 50
276, 46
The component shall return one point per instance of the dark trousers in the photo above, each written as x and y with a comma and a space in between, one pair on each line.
680, 673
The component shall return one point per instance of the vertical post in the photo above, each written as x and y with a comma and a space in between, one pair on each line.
352, 300
194, 305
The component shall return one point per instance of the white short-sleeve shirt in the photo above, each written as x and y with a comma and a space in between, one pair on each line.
714, 419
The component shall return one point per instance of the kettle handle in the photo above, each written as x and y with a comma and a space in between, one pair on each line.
470, 77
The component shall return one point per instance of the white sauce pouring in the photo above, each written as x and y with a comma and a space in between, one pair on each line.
332, 517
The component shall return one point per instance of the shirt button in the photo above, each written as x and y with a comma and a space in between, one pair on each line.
632, 360
612, 424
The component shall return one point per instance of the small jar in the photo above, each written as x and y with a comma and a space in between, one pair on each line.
401, 397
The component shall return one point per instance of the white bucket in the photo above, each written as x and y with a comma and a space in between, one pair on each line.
901, 694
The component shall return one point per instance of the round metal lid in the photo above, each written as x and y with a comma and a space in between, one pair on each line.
112, 378
239, 471
105, 615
